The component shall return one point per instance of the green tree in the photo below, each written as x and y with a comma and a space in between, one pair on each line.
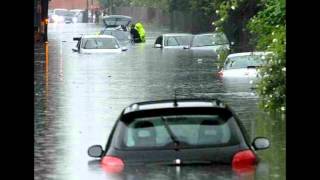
268, 28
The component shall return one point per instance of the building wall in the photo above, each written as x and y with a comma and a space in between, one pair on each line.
72, 4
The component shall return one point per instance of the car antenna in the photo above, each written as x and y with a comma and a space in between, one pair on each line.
175, 103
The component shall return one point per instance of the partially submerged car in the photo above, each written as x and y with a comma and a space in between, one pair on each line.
79, 14
118, 22
243, 65
98, 44
205, 45
58, 15
173, 40
178, 132
124, 37
209, 41
70, 17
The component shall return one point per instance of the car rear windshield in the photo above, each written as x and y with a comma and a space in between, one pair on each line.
99, 43
243, 61
209, 40
190, 131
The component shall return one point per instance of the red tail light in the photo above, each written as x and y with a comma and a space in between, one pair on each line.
244, 161
112, 164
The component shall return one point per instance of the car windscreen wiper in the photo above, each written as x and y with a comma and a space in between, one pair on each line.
172, 136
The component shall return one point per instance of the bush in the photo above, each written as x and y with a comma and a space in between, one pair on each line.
222, 55
268, 30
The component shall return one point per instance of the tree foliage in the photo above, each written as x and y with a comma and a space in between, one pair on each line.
268, 28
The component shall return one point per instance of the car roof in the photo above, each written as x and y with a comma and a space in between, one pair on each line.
177, 34
247, 54
61, 9
209, 33
77, 10
170, 103
97, 36
117, 16
113, 28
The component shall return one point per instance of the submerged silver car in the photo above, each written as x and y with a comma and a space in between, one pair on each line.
173, 40
209, 41
88, 44
243, 65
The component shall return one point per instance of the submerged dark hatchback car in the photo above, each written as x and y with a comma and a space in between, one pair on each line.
178, 132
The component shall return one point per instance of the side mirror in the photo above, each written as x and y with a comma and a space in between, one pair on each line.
124, 49
75, 50
95, 151
77, 38
260, 143
157, 46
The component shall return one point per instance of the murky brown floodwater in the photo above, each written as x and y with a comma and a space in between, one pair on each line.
78, 98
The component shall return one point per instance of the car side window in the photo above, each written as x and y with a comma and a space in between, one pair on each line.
90, 44
171, 41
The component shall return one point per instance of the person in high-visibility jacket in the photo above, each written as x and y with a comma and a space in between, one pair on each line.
141, 31
135, 34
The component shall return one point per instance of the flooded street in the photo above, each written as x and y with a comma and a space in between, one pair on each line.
78, 97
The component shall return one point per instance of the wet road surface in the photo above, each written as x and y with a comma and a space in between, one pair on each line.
78, 97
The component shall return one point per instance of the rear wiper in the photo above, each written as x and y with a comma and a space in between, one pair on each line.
252, 67
172, 136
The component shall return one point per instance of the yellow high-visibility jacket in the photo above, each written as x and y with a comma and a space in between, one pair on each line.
141, 31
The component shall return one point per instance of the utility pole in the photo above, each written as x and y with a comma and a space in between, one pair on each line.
85, 15
111, 7
45, 5
92, 11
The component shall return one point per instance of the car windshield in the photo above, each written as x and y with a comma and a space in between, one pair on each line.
209, 40
61, 12
243, 62
177, 40
116, 21
189, 130
99, 43
120, 35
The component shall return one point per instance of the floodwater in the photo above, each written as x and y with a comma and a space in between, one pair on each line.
78, 97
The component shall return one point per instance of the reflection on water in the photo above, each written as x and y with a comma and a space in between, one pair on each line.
78, 97
157, 172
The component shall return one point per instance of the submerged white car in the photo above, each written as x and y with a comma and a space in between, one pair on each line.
243, 65
58, 15
97, 44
